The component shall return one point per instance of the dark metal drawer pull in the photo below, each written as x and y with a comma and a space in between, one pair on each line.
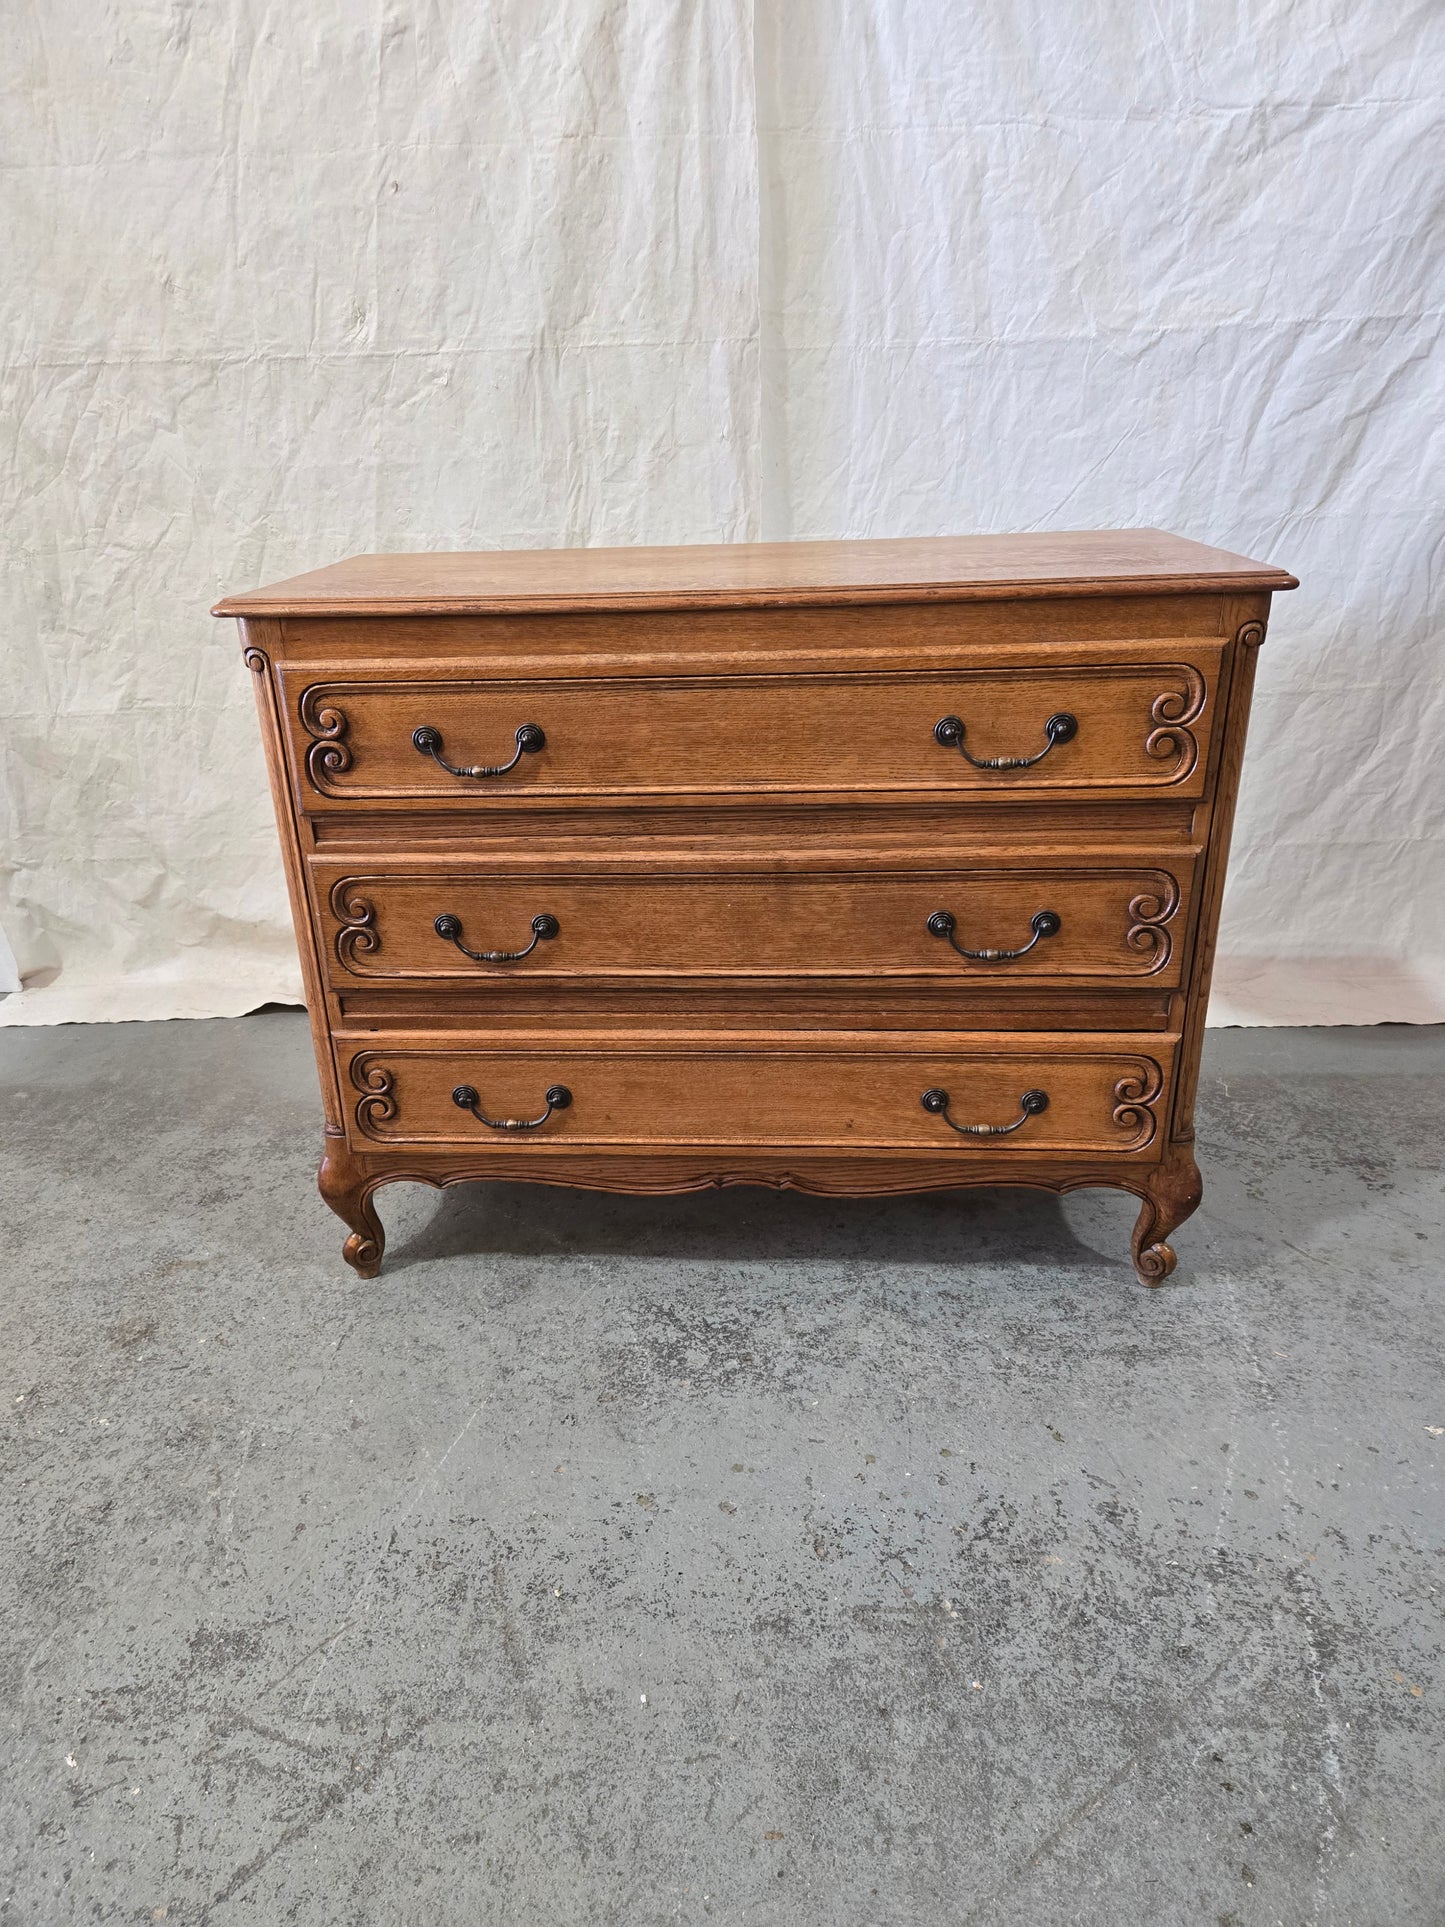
1058, 729
428, 741
466, 1099
1046, 923
1030, 1105
544, 928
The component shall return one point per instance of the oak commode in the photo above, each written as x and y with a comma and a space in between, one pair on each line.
855, 867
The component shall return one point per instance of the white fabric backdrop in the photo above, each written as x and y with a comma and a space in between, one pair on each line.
288, 284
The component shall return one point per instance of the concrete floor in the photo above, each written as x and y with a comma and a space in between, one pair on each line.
743, 1558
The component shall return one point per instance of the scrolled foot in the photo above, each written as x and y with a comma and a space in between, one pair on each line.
1174, 1192
1154, 1263
363, 1252
349, 1193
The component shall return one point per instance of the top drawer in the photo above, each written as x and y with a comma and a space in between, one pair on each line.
1027, 726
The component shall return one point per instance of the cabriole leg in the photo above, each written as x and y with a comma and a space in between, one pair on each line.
1174, 1192
348, 1190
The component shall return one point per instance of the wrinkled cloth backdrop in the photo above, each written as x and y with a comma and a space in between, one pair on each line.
286, 284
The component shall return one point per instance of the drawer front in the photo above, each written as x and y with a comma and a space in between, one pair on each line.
458, 925
1051, 1094
1141, 726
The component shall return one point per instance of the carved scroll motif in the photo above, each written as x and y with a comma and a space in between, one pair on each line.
1171, 712
329, 753
358, 934
256, 660
1135, 1095
1148, 913
377, 1105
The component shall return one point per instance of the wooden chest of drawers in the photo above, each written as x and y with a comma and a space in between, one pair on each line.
856, 867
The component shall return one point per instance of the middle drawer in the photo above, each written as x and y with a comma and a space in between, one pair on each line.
445, 922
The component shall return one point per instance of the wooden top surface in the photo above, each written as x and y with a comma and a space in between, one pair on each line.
950, 568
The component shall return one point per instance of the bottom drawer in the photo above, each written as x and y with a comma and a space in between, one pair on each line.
1038, 1094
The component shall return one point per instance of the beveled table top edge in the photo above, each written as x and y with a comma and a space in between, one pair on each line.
1131, 562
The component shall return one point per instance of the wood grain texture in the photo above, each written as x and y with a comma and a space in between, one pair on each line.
741, 822
348, 1188
794, 1091
725, 640
1251, 616
349, 1180
258, 636
969, 567
1112, 923
778, 832
746, 1006
1141, 725
1172, 1193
